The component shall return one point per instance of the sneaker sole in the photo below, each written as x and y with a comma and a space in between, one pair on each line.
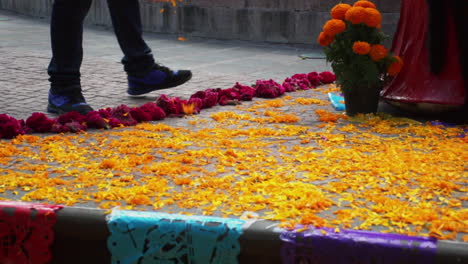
149, 89
56, 110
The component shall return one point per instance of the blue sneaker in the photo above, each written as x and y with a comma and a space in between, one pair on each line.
159, 78
60, 104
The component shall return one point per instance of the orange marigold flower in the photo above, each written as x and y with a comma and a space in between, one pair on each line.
333, 27
325, 40
361, 47
365, 4
356, 15
378, 52
373, 17
395, 67
339, 11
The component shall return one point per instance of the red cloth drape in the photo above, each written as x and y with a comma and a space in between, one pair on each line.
415, 83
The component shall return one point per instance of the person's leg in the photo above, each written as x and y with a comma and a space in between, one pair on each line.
125, 15
144, 75
66, 28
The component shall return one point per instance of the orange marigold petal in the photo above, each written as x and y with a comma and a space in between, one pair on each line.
373, 17
333, 27
325, 40
339, 11
395, 67
365, 4
356, 15
361, 47
378, 52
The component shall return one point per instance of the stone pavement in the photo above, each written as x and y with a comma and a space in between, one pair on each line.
26, 53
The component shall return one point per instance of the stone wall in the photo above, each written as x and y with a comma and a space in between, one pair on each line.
284, 21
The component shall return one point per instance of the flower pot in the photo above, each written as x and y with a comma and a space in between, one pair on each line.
361, 100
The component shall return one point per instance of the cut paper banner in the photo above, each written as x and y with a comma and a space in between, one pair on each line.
26, 232
326, 245
337, 101
149, 237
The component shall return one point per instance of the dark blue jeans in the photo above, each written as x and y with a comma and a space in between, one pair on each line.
67, 37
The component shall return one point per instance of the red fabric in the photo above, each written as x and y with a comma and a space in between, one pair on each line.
415, 83
26, 232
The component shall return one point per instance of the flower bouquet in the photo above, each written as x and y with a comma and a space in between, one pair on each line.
352, 43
